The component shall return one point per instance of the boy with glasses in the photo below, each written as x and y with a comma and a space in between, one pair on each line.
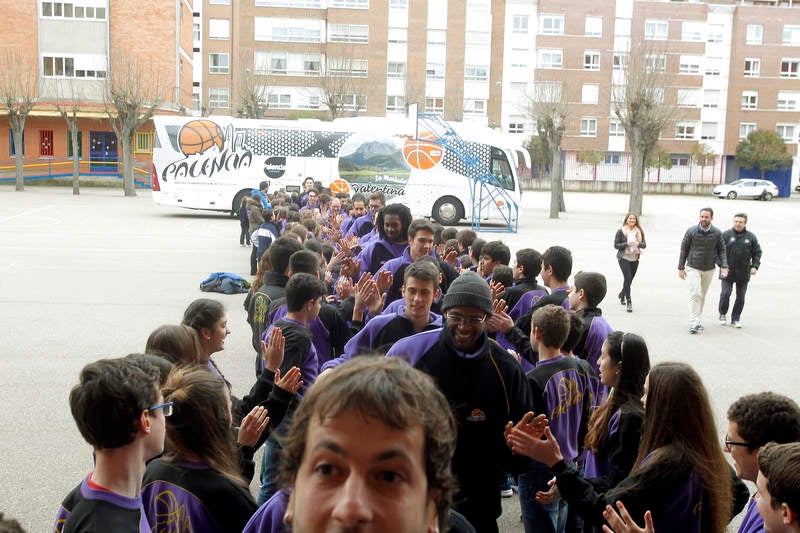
753, 421
119, 410
486, 388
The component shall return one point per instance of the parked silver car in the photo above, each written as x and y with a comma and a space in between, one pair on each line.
747, 188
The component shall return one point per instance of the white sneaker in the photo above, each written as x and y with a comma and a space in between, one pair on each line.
736, 324
722, 320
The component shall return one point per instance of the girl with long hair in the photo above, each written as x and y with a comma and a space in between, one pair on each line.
177, 343
615, 428
629, 242
679, 474
197, 484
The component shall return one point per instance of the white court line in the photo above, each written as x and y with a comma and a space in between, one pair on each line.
25, 213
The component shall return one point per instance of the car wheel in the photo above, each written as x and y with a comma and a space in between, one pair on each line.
767, 196
731, 195
447, 210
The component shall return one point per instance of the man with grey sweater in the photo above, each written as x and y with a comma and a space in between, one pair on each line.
702, 249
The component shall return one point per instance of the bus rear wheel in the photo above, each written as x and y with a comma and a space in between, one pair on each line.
447, 210
237, 201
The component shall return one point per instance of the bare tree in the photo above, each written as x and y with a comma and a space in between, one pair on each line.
639, 104
548, 108
68, 103
342, 83
253, 86
19, 91
134, 94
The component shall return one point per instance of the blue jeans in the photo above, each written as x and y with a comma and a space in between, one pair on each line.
269, 470
537, 517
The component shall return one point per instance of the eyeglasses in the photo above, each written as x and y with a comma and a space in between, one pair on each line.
166, 407
468, 320
729, 443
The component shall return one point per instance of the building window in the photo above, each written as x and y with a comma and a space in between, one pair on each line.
790, 68
69, 144
755, 34
590, 93
437, 37
196, 101
593, 27
519, 24
395, 103
143, 142
516, 127
752, 67
353, 68
791, 35
278, 62
786, 132
685, 131
620, 61
220, 2
219, 97
588, 127
749, 99
690, 65
279, 101
311, 65
746, 128
615, 128
551, 24
478, 39
551, 58
219, 29
716, 33
398, 4
655, 30
655, 63
474, 107
711, 98
689, 97
709, 131
311, 4
195, 31
218, 63
692, 31
396, 70
349, 4
434, 105
311, 102
60, 67
292, 34
434, 71
612, 158
713, 66
348, 33
679, 160
398, 36
353, 102
787, 100
45, 143
591, 60
71, 11
476, 72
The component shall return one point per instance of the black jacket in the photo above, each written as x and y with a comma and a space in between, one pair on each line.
743, 252
702, 249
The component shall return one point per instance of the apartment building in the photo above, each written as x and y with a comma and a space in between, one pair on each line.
69, 44
370, 57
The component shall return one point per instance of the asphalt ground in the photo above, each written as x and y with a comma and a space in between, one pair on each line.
90, 276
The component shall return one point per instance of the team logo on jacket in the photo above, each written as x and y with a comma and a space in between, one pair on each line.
476, 416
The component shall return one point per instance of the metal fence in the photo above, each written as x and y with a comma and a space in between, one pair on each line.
54, 167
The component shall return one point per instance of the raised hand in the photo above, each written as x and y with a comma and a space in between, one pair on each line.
384, 281
623, 523
272, 353
253, 425
291, 382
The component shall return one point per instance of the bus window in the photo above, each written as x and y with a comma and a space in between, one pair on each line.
502, 170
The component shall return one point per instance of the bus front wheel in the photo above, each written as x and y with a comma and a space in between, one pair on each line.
237, 200
447, 210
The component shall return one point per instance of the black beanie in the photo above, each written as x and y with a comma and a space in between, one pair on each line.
468, 290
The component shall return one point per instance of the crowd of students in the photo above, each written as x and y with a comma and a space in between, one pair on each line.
488, 377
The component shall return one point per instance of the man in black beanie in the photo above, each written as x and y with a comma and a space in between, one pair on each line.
486, 389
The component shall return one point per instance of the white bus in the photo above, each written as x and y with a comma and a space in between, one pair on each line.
213, 162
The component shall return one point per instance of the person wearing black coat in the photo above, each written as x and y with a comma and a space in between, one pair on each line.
744, 258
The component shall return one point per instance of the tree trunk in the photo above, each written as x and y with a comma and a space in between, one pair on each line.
557, 185
637, 182
76, 162
127, 162
19, 156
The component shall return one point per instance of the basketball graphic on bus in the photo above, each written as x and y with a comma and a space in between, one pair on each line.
423, 155
198, 136
339, 185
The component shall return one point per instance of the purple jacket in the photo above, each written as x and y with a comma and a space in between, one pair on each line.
269, 517
752, 522
378, 252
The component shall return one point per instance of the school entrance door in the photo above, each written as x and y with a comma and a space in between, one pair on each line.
103, 151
